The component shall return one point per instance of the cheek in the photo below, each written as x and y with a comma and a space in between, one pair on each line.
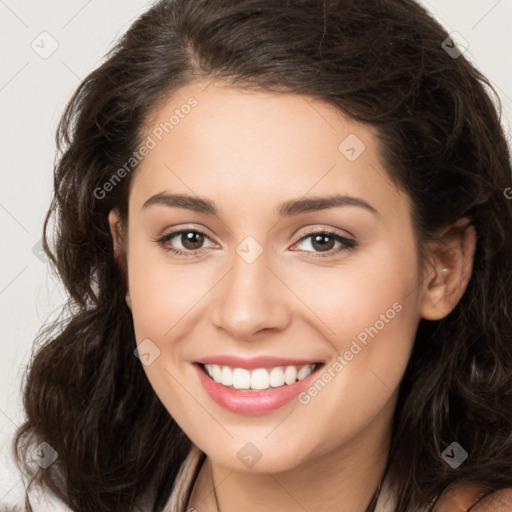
367, 311
359, 384
161, 293
162, 296
353, 295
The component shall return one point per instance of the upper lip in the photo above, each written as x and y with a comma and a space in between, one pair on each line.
254, 362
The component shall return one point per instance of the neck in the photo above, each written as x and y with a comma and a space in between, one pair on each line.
344, 479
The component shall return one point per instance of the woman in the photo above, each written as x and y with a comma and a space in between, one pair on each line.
284, 232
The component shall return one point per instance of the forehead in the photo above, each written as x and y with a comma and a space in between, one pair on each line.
214, 140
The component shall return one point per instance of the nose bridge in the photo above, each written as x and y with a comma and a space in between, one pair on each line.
250, 298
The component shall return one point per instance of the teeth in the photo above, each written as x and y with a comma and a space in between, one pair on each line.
276, 377
227, 376
241, 378
258, 379
216, 374
290, 375
303, 372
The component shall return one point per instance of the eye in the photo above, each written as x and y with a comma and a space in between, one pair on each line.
189, 241
325, 242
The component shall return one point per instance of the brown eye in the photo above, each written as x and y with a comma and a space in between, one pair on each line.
325, 243
185, 242
322, 242
192, 240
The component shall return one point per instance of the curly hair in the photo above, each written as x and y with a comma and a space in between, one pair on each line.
437, 120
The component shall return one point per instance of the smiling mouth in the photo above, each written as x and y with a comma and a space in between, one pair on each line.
258, 379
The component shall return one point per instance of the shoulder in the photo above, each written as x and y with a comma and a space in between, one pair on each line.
474, 498
496, 501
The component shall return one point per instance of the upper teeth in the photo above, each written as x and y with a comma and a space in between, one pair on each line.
260, 378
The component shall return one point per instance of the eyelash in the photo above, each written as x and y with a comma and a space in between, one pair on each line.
348, 244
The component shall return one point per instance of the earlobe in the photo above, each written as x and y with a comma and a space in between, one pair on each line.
451, 264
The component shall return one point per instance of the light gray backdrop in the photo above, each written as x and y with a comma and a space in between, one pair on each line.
46, 49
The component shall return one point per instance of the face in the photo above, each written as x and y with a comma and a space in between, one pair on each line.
292, 249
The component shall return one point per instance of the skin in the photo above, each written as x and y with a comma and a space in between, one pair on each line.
248, 152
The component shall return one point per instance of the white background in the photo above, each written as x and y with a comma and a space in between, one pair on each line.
33, 93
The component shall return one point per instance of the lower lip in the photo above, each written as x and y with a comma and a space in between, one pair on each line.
252, 403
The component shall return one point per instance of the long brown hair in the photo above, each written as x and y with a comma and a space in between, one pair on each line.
382, 62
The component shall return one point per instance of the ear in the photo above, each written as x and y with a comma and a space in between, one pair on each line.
120, 247
450, 262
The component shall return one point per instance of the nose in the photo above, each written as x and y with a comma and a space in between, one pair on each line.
251, 299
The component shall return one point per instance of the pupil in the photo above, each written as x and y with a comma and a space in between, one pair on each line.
192, 240
322, 242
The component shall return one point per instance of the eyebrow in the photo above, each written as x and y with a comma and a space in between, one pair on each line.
288, 208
